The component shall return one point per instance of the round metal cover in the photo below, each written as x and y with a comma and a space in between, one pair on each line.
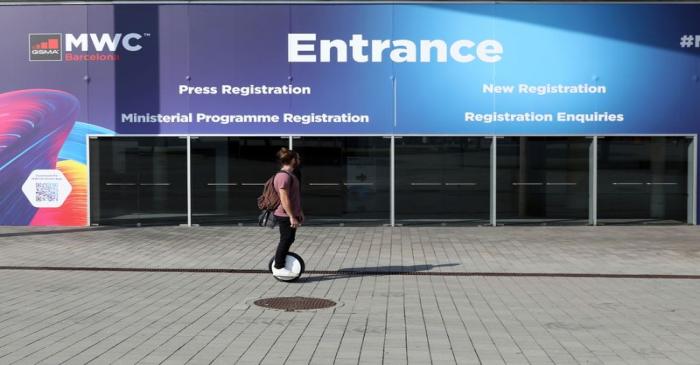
291, 304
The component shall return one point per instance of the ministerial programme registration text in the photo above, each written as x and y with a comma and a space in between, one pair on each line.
224, 119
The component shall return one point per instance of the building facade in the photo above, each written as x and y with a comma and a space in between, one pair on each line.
404, 114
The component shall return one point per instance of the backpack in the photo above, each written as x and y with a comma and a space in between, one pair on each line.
268, 201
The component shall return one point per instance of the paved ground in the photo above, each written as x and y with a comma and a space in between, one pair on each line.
101, 317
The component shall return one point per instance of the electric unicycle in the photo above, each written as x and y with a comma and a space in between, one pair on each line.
293, 263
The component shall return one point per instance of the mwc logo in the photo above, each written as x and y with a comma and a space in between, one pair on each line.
52, 46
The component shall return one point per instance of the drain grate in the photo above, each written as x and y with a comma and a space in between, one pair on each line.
291, 304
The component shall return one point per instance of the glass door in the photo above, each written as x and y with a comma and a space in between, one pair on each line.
542, 180
138, 181
643, 180
442, 180
228, 175
345, 180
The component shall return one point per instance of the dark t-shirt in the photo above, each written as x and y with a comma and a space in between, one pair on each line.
292, 185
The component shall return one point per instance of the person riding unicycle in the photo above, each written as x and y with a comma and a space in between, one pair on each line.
288, 214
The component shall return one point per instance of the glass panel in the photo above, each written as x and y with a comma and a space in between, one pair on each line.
542, 180
444, 180
228, 174
162, 193
138, 181
345, 179
113, 181
643, 179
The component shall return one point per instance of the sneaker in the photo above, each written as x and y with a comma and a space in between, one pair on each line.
283, 273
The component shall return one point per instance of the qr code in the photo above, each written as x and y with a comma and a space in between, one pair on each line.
46, 192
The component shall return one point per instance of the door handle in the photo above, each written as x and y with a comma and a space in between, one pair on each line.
426, 184
324, 184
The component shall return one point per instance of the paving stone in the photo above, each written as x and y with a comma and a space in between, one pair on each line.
180, 317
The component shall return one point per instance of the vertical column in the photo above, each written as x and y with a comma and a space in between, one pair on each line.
493, 182
392, 156
392, 182
88, 187
692, 180
593, 182
189, 181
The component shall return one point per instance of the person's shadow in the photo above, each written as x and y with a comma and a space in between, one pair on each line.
370, 271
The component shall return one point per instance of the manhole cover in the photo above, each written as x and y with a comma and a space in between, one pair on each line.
291, 304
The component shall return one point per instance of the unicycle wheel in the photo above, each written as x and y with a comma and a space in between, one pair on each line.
294, 263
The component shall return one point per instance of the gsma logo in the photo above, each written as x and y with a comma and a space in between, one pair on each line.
45, 47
